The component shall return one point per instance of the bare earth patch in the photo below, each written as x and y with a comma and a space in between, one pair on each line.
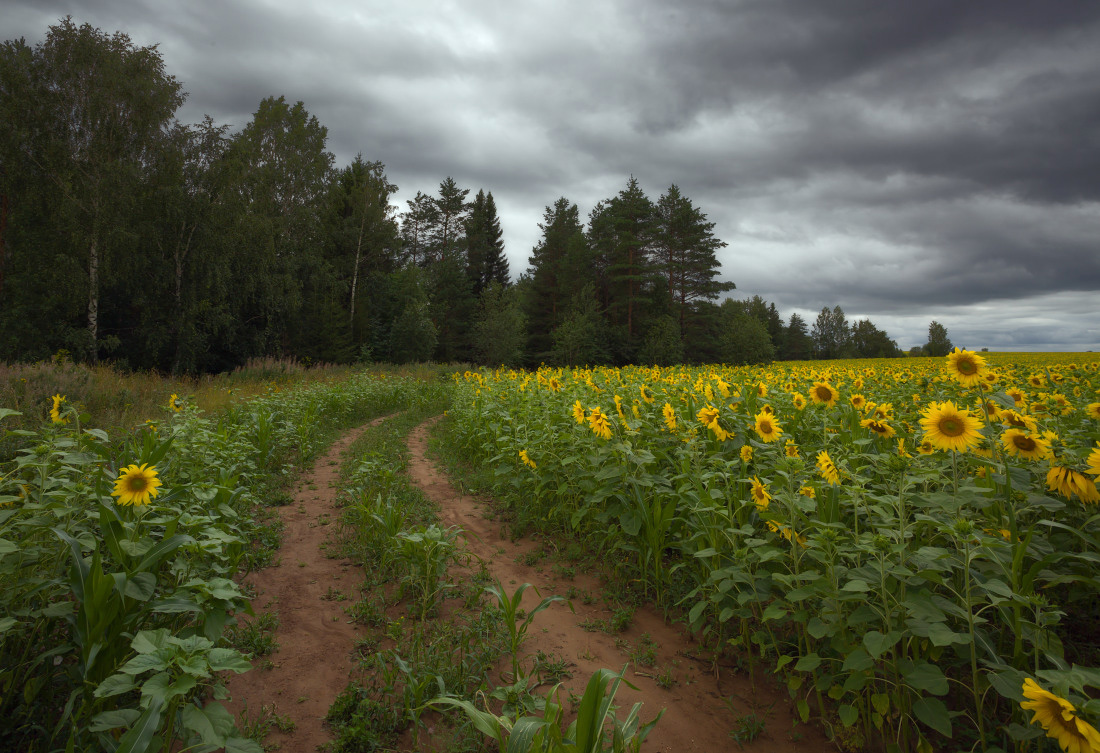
702, 706
314, 660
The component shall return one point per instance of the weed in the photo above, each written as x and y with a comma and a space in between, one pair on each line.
747, 728
563, 571
550, 667
255, 637
334, 594
646, 653
621, 619
666, 679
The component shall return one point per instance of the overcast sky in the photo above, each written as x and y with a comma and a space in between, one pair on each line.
908, 161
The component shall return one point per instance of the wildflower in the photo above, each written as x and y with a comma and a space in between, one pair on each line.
824, 393
670, 416
709, 418
55, 411
760, 495
798, 401
1036, 380
881, 428
828, 469
787, 532
767, 427
1020, 444
601, 427
723, 388
883, 412
136, 485
1059, 718
1017, 396
526, 460
791, 449
761, 389
578, 412
857, 401
948, 427
1069, 482
966, 367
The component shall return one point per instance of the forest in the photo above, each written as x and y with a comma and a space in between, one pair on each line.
130, 237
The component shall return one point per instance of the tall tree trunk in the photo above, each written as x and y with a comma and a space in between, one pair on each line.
355, 271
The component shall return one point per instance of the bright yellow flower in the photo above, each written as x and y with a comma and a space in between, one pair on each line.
828, 469
824, 393
1093, 409
761, 389
881, 428
760, 495
578, 412
966, 367
1069, 482
175, 403
601, 427
1020, 444
746, 453
808, 491
1018, 420
767, 427
55, 411
798, 401
707, 415
1017, 396
1094, 461
136, 485
857, 401
526, 460
925, 447
647, 394
1059, 718
948, 427
901, 448
791, 449
670, 416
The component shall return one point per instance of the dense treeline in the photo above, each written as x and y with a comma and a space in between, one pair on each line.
126, 235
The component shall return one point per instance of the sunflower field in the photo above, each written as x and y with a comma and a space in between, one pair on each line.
911, 546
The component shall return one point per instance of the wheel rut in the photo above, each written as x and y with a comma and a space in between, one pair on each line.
703, 707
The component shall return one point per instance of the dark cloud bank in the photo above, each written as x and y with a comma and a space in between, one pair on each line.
908, 161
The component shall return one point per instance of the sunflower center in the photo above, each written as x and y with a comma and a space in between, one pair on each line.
766, 427
1025, 444
138, 484
951, 427
967, 367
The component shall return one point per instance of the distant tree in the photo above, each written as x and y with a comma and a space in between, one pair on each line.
499, 330
831, 333
744, 339
797, 343
485, 259
451, 211
662, 345
627, 254
413, 335
416, 224
582, 337
868, 341
684, 251
560, 265
452, 306
938, 344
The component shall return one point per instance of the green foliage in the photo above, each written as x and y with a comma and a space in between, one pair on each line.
583, 337
938, 343
500, 329
662, 346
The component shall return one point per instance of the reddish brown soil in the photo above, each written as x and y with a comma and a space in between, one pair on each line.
701, 708
314, 661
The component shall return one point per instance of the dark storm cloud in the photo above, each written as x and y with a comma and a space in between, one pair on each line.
895, 158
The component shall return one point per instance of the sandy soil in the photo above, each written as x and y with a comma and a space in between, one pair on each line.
316, 638
704, 704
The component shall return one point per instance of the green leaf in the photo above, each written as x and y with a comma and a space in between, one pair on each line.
927, 678
148, 641
858, 661
242, 745
803, 709
116, 719
213, 724
808, 663
222, 659
140, 586
933, 712
856, 585
142, 737
877, 644
114, 685
881, 702
848, 714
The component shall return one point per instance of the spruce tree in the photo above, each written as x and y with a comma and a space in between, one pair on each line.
485, 259
556, 266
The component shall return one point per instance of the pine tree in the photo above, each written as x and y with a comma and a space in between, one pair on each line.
938, 343
556, 266
684, 251
485, 259
797, 343
416, 225
627, 250
831, 333
451, 211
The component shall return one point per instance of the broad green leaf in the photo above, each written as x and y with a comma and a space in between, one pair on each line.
927, 678
933, 712
877, 644
848, 714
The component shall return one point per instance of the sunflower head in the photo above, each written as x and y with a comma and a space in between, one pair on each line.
1021, 444
881, 428
746, 453
827, 468
966, 367
578, 412
1059, 718
949, 427
55, 411
136, 485
767, 427
824, 393
791, 449
760, 495
670, 416
1069, 482
798, 401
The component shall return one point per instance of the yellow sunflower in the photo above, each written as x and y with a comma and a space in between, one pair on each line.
1094, 461
828, 469
1018, 420
858, 401
966, 367
1020, 444
760, 495
767, 427
526, 460
824, 393
948, 427
746, 453
647, 394
1069, 482
578, 412
1017, 396
670, 416
881, 428
136, 485
601, 427
55, 411
761, 389
808, 491
791, 449
175, 403
1059, 718
925, 447
1093, 409
798, 401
